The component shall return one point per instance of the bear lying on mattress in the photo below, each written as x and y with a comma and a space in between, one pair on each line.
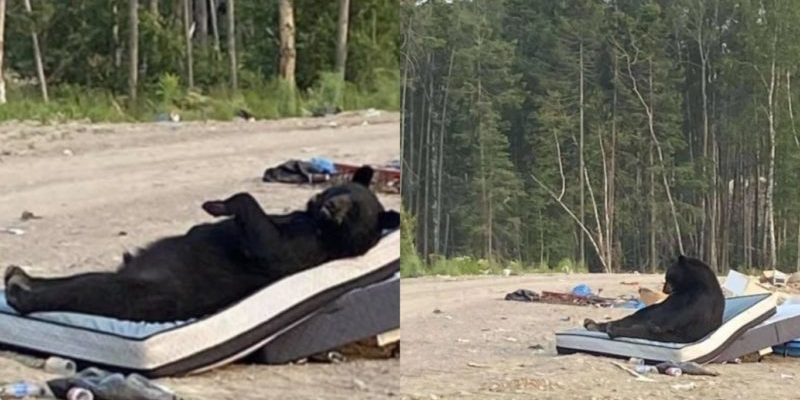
693, 309
216, 264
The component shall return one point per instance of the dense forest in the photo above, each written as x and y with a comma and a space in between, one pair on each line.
134, 58
613, 134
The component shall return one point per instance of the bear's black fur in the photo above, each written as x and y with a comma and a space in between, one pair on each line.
693, 309
216, 264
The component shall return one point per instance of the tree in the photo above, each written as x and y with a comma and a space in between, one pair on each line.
133, 47
287, 51
341, 36
2, 51
37, 55
232, 45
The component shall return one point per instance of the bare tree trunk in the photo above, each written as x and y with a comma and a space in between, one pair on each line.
769, 207
288, 55
426, 207
649, 111
341, 36
37, 55
115, 36
187, 27
709, 201
440, 162
133, 48
653, 211
232, 45
201, 19
581, 165
2, 50
154, 7
215, 26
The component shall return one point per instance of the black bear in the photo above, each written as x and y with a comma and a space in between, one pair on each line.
693, 309
216, 264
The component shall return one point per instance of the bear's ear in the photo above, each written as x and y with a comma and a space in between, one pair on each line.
389, 220
682, 260
363, 175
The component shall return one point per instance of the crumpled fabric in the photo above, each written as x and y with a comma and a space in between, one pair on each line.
523, 295
110, 386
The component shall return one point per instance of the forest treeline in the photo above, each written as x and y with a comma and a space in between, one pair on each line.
613, 134
130, 59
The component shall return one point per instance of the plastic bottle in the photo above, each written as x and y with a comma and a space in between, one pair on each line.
635, 361
78, 393
645, 369
21, 390
673, 371
60, 366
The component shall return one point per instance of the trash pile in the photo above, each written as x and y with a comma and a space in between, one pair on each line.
323, 170
581, 295
88, 384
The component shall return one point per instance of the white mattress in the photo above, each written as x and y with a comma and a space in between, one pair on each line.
160, 349
741, 314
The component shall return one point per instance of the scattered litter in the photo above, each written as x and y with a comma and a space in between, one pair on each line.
536, 347
683, 386
787, 376
60, 366
688, 367
78, 393
774, 277
68, 153
111, 386
372, 113
523, 295
122, 233
506, 272
316, 170
23, 389
13, 231
332, 124
27, 215
638, 376
476, 365
437, 311
582, 290
633, 283
359, 384
566, 319
510, 339
459, 340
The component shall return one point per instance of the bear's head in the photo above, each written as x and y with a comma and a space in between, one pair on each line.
685, 274
350, 216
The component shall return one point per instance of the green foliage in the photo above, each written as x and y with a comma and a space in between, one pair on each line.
496, 93
84, 48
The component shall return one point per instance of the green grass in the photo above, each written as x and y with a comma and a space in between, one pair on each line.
411, 266
264, 99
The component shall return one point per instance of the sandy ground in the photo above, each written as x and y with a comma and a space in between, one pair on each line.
479, 346
104, 188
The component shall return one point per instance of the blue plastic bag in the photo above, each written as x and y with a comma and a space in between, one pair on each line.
582, 290
323, 165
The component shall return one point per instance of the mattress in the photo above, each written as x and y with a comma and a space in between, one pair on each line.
359, 314
741, 314
165, 349
781, 328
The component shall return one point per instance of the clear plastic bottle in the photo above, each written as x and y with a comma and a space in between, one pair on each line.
673, 371
645, 369
78, 393
21, 390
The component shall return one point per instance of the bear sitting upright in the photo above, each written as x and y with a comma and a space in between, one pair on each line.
693, 309
214, 265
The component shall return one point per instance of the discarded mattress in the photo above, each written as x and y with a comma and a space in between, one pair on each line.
359, 314
741, 314
165, 349
783, 327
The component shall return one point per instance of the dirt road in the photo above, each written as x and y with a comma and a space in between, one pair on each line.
105, 188
479, 346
